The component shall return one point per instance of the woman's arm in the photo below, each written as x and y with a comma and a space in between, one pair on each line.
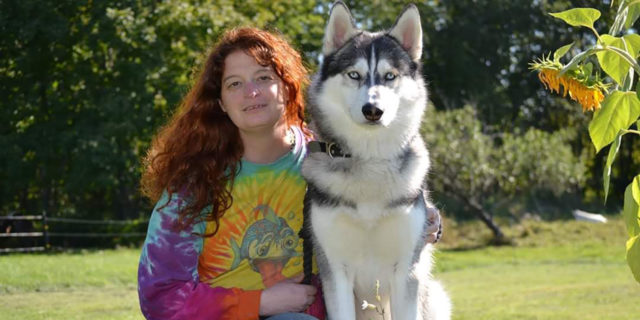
168, 283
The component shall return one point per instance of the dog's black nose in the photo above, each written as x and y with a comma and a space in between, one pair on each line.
371, 112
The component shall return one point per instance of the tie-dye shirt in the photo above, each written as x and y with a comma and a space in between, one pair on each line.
185, 276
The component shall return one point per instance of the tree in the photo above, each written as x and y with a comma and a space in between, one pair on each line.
474, 173
86, 84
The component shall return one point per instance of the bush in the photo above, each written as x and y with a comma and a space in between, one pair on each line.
479, 174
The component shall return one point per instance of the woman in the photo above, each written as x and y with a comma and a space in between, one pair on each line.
225, 173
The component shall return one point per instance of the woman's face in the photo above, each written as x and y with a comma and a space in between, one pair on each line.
252, 94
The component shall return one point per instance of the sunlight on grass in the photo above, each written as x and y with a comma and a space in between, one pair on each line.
556, 270
86, 303
543, 291
99, 284
47, 272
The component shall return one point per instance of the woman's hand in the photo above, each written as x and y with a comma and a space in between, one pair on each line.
434, 227
287, 296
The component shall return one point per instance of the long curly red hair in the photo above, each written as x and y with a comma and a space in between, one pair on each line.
197, 153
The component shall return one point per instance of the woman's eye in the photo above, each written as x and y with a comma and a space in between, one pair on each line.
389, 76
233, 84
354, 75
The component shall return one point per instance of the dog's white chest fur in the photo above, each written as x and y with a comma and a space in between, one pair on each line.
363, 243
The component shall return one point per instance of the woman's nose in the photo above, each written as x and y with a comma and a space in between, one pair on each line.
251, 89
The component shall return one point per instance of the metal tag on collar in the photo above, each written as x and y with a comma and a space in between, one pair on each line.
334, 150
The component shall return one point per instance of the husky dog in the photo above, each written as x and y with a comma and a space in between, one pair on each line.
368, 210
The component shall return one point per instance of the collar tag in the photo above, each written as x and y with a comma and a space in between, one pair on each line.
330, 148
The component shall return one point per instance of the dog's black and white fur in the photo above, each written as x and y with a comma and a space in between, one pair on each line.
369, 212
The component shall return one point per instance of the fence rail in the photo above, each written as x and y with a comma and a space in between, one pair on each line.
20, 217
96, 235
21, 234
82, 221
46, 234
28, 249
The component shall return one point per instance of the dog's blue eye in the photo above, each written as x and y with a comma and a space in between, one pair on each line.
389, 76
354, 75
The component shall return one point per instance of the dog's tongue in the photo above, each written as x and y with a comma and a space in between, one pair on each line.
271, 271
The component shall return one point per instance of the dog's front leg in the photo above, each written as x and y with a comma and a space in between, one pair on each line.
404, 295
338, 294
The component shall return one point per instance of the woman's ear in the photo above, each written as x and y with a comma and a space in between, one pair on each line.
222, 106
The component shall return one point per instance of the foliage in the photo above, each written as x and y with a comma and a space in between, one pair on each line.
483, 173
617, 57
479, 58
85, 85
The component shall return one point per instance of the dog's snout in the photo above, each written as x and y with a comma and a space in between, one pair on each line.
371, 112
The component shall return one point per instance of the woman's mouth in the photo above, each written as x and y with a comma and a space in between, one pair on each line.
254, 107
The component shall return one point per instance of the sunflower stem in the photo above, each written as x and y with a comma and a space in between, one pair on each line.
597, 34
580, 57
632, 131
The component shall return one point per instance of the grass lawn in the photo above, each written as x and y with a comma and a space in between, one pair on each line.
80, 285
555, 270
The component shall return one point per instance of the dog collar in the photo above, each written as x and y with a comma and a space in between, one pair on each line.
330, 148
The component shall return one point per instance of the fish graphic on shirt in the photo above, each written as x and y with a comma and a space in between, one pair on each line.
268, 244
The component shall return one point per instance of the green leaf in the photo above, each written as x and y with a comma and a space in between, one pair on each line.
619, 110
631, 210
632, 15
587, 68
612, 63
579, 17
561, 52
634, 41
633, 256
613, 151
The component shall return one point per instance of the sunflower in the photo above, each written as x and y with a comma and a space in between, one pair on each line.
580, 85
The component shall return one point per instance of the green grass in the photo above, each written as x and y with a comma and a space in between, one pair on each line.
555, 270
81, 285
72, 303
82, 269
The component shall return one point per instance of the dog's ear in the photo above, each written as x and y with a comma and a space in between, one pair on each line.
340, 28
408, 31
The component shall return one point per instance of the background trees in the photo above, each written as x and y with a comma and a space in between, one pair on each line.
85, 84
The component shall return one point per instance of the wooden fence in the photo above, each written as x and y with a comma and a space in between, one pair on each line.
47, 234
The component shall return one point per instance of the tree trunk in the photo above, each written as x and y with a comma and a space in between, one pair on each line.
481, 213
487, 219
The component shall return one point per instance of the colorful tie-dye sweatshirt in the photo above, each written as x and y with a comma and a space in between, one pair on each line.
185, 276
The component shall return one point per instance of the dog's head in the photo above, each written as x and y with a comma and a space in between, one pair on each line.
375, 78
